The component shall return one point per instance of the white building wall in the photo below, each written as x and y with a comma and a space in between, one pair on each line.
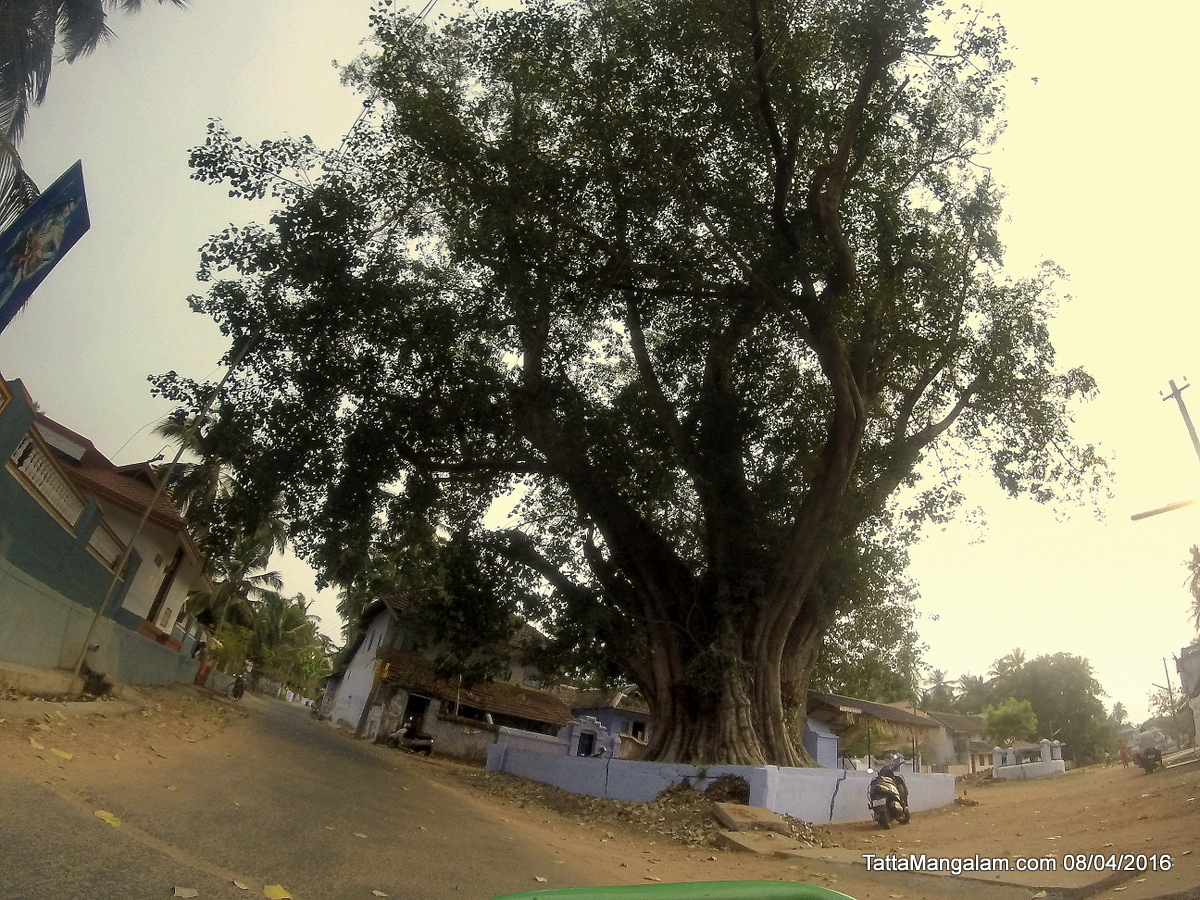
154, 543
462, 738
359, 677
1030, 770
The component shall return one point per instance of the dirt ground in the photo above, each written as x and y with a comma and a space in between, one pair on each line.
1090, 811
1095, 810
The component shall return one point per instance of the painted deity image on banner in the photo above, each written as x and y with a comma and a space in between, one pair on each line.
38, 238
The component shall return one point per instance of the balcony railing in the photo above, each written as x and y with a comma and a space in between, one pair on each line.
44, 480
35, 470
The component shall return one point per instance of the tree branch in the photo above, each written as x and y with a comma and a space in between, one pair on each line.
829, 180
783, 152
658, 400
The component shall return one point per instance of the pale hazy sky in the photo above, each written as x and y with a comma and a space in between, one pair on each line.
1099, 160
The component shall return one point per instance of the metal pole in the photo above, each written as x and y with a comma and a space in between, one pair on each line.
1174, 708
123, 561
1177, 395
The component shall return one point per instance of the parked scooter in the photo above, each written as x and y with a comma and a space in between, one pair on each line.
238, 688
887, 796
407, 737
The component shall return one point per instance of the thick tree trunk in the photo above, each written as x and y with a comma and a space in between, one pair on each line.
689, 729
752, 717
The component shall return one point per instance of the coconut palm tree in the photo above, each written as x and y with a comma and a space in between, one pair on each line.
939, 696
1193, 584
974, 693
1119, 714
30, 33
1008, 665
239, 580
200, 490
378, 577
286, 644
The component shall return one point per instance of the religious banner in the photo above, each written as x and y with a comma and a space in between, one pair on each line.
31, 245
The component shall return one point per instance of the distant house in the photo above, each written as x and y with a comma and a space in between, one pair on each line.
389, 679
66, 516
972, 752
883, 728
622, 712
626, 713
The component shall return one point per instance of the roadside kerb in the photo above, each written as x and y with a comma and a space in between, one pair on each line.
1056, 885
758, 830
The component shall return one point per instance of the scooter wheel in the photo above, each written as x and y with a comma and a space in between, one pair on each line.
903, 816
392, 743
884, 818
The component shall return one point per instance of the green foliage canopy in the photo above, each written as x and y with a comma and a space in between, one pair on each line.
1010, 721
703, 283
1066, 698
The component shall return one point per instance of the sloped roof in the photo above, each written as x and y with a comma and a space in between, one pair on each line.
127, 489
874, 710
627, 700
415, 673
131, 487
960, 724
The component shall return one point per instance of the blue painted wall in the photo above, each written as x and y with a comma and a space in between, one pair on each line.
614, 719
35, 542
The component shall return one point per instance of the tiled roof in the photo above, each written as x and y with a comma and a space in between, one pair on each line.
627, 700
869, 708
131, 487
127, 488
960, 724
415, 673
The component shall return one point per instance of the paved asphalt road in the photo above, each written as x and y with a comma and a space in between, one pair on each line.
282, 800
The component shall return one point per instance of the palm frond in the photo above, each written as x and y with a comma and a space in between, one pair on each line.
82, 27
17, 189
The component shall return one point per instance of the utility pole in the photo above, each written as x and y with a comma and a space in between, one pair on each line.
1176, 394
121, 564
1171, 694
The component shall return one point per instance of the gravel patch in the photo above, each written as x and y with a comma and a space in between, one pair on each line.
680, 812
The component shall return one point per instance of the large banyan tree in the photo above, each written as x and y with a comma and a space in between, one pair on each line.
704, 286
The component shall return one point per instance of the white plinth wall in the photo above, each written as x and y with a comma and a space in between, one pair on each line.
812, 795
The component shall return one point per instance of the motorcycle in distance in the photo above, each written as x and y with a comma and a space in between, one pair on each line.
887, 795
1149, 759
408, 738
238, 688
1148, 755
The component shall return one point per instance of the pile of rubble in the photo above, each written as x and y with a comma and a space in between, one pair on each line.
680, 812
